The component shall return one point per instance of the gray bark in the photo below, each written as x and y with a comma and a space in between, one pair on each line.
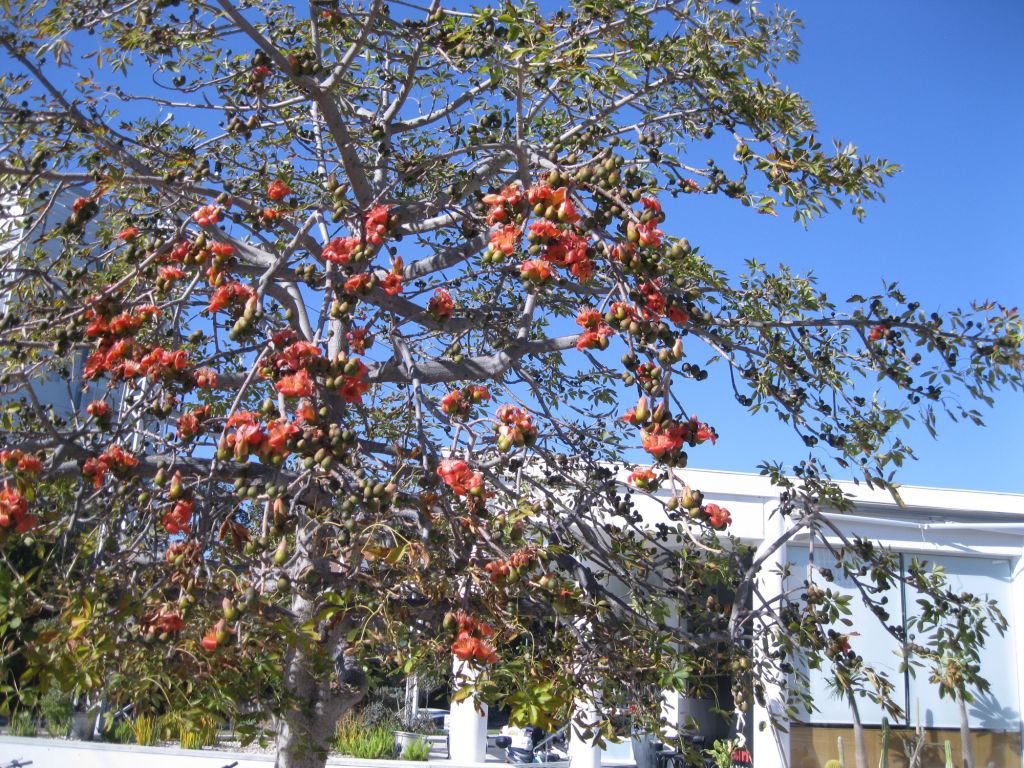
316, 701
966, 747
860, 751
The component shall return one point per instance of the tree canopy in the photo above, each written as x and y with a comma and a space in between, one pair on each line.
361, 306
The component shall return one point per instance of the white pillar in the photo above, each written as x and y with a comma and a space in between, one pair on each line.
671, 711
583, 753
770, 746
671, 701
1015, 616
467, 723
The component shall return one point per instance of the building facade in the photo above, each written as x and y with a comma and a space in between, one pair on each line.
978, 539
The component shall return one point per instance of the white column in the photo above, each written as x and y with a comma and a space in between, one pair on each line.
670, 711
671, 701
467, 723
583, 753
770, 746
1015, 616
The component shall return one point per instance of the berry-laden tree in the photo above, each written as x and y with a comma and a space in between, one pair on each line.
356, 310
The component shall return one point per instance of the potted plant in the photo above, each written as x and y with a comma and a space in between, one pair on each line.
422, 729
83, 721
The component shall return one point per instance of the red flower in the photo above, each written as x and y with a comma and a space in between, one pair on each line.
169, 273
99, 410
18, 460
658, 443
441, 305
542, 231
504, 204
392, 284
654, 300
216, 636
207, 215
533, 270
377, 224
469, 648
279, 432
297, 385
160, 364
278, 190
717, 516
114, 459
14, 511
677, 315
359, 340
506, 239
306, 412
454, 404
649, 234
295, 356
594, 339
340, 249
247, 435
457, 475
642, 478
699, 432
178, 519
205, 378
230, 293
651, 204
222, 249
190, 423
639, 414
166, 621
128, 234
516, 427
359, 283
567, 212
355, 386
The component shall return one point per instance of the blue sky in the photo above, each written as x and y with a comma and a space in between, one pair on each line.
936, 88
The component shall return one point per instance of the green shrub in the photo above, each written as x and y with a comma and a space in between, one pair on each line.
119, 733
168, 725
22, 724
833, 764
146, 730
189, 739
196, 732
418, 750
354, 738
55, 708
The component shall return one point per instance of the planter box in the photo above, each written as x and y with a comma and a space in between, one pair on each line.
438, 743
83, 724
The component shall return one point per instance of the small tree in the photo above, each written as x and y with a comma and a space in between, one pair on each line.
952, 628
360, 293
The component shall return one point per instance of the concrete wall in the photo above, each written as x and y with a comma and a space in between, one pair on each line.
60, 753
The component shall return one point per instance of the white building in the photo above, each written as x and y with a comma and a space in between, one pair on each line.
978, 538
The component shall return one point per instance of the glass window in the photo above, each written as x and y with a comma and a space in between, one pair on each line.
867, 637
999, 708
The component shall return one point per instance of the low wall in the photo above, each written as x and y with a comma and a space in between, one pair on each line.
60, 753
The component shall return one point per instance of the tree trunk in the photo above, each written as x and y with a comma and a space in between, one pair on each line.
860, 750
317, 702
320, 683
966, 747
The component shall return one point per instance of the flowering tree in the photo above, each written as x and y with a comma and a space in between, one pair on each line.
361, 305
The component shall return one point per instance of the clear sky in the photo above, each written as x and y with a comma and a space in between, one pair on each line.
939, 89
